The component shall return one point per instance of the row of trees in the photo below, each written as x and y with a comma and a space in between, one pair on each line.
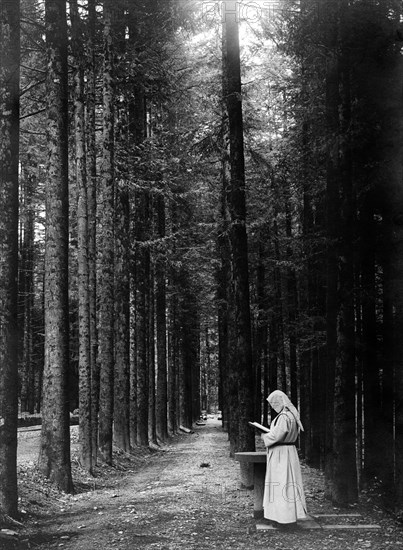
111, 233
328, 279
102, 167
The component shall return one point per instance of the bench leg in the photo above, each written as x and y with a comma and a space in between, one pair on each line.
259, 474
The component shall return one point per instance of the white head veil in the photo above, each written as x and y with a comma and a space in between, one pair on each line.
278, 395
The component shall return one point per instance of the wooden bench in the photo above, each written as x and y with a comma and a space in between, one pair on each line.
258, 459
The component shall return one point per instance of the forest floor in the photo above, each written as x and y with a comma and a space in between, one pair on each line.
185, 495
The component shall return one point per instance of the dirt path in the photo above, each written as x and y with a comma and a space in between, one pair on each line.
185, 496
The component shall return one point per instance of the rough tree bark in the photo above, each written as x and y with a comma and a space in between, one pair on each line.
152, 432
387, 89
241, 373
54, 458
106, 248
161, 325
84, 334
142, 317
121, 410
26, 291
345, 489
340, 442
9, 151
223, 273
92, 218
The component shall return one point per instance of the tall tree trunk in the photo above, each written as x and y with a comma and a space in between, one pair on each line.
173, 327
242, 367
319, 357
387, 472
195, 364
173, 354
359, 455
388, 88
273, 347
161, 326
152, 433
312, 295
84, 335
373, 457
189, 363
205, 369
138, 130
133, 360
106, 247
26, 291
9, 156
40, 350
183, 369
341, 463
332, 200
292, 307
282, 382
260, 348
121, 409
54, 458
305, 359
92, 219
142, 315
345, 489
223, 273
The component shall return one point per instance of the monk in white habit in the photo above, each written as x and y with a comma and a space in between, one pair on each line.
284, 499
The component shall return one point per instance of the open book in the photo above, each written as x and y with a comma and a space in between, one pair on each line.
259, 426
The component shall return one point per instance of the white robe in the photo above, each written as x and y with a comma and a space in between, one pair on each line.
284, 499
